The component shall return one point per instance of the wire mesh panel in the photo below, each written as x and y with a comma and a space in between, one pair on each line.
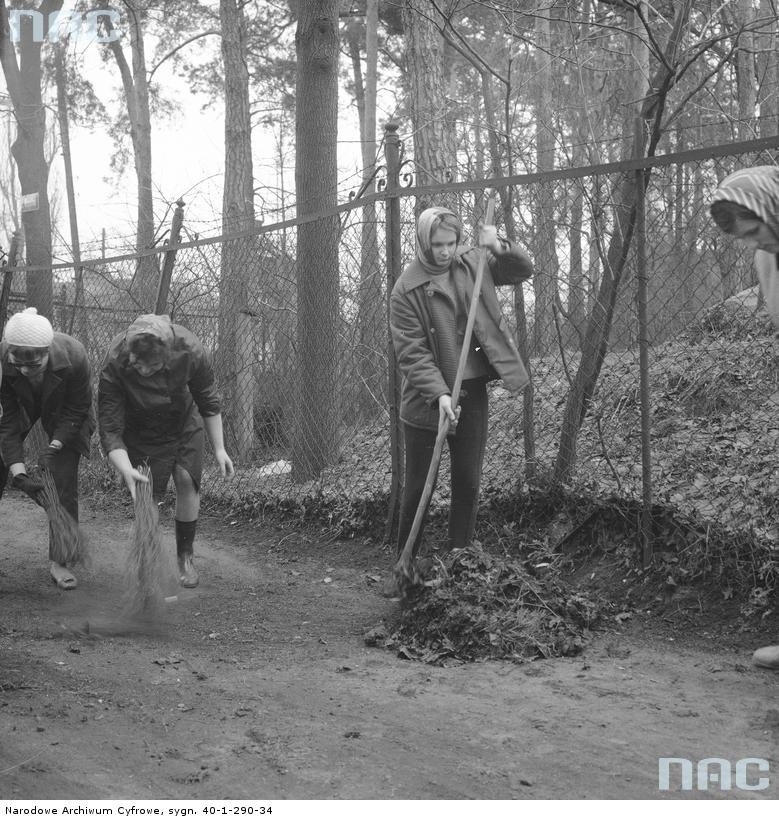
301, 345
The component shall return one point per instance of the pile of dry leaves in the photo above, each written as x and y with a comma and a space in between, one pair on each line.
477, 606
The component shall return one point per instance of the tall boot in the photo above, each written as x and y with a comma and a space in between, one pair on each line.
185, 539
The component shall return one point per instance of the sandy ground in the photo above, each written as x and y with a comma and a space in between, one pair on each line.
258, 685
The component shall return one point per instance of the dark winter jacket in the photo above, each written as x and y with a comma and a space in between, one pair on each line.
415, 339
161, 408
66, 400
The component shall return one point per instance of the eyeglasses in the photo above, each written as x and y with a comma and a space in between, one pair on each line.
32, 357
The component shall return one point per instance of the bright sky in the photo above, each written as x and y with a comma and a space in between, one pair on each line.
187, 161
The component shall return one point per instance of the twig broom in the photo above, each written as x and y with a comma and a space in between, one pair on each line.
68, 545
146, 571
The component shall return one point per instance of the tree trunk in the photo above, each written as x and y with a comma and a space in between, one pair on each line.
577, 280
545, 238
9, 191
316, 41
768, 69
435, 151
681, 222
78, 318
235, 353
624, 331
507, 202
371, 356
745, 71
24, 80
136, 92
576, 302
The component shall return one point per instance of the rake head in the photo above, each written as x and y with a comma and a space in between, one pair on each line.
408, 579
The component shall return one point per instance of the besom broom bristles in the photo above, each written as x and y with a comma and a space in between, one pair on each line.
68, 545
147, 571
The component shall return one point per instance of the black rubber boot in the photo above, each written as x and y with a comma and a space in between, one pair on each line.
185, 539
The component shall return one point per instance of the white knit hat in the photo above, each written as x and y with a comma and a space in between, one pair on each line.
28, 329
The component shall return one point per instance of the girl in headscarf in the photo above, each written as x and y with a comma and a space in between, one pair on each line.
156, 395
746, 206
428, 315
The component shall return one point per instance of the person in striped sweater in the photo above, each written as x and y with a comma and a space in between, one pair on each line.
746, 207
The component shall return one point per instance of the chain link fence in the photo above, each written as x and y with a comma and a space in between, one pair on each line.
305, 365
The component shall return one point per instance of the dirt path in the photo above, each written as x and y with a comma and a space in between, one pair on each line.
259, 685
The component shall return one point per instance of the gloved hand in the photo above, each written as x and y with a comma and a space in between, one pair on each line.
29, 486
46, 457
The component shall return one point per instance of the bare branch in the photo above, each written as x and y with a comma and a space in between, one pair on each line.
181, 45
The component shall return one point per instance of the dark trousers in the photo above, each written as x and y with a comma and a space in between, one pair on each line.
466, 451
64, 471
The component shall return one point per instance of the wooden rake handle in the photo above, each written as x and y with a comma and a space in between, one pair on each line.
403, 565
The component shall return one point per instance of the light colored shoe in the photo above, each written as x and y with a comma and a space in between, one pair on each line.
188, 576
62, 576
767, 657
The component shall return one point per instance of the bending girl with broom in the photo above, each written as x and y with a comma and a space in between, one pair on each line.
429, 317
746, 207
156, 395
46, 376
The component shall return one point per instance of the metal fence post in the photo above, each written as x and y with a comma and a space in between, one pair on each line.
392, 158
643, 354
163, 290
